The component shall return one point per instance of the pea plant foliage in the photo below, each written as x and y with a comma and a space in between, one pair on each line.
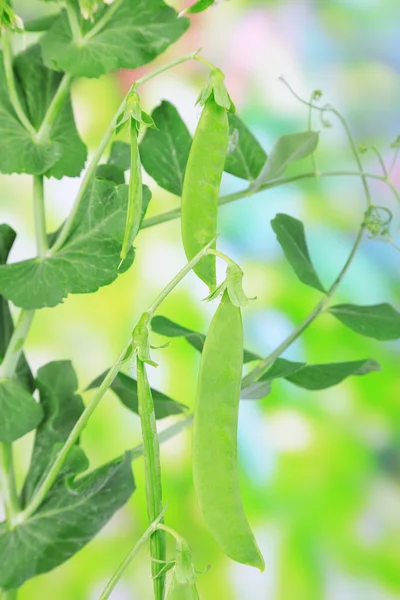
63, 503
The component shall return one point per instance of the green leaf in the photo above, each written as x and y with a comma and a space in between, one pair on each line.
164, 153
291, 236
19, 413
63, 153
126, 389
286, 150
136, 32
120, 155
40, 24
23, 372
261, 388
319, 377
248, 158
72, 514
62, 407
379, 321
164, 326
110, 172
88, 259
199, 6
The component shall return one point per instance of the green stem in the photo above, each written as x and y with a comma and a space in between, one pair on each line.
14, 348
258, 371
177, 279
102, 22
54, 109
66, 229
205, 62
72, 438
165, 435
248, 192
129, 557
152, 469
12, 90
7, 483
73, 21
39, 216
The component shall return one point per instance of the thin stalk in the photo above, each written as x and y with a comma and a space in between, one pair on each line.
247, 193
66, 229
394, 159
54, 109
14, 348
102, 22
39, 216
207, 63
258, 371
72, 438
129, 557
381, 161
73, 21
178, 278
12, 90
152, 469
8, 487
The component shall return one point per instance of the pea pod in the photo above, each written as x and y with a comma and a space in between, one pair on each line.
201, 186
135, 194
215, 469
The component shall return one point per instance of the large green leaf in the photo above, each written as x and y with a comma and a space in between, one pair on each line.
126, 389
72, 514
23, 372
164, 151
135, 33
87, 260
62, 407
120, 155
319, 377
62, 153
291, 236
248, 157
164, 326
379, 321
287, 149
19, 413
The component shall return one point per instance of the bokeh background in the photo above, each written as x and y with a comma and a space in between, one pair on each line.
320, 472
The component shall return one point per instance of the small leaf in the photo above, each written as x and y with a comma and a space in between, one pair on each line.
97, 232
379, 321
291, 236
72, 514
165, 152
120, 155
164, 326
248, 158
57, 384
23, 372
286, 150
319, 377
256, 391
19, 413
199, 6
126, 389
136, 32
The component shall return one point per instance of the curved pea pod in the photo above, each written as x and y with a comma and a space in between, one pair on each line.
201, 186
135, 194
215, 468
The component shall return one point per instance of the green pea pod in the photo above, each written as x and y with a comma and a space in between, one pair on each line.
215, 469
135, 195
201, 186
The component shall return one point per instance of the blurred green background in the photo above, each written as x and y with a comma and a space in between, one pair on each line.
320, 471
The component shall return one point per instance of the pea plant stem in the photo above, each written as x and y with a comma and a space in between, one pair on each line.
129, 557
14, 348
39, 216
12, 90
54, 109
152, 469
7, 483
66, 229
258, 371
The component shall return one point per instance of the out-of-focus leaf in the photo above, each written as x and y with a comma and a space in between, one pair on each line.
379, 321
